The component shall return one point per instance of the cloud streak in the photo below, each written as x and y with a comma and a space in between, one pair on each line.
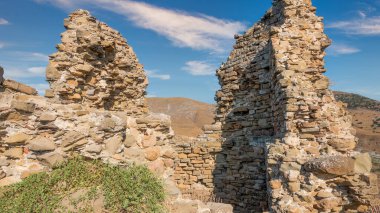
154, 74
367, 26
19, 73
196, 31
3, 21
342, 49
199, 68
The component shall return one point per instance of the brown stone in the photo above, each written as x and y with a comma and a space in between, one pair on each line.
52, 72
41, 144
19, 87
363, 163
47, 117
329, 203
152, 153
16, 139
275, 184
342, 144
113, 144
23, 106
14, 153
335, 165
129, 140
52, 159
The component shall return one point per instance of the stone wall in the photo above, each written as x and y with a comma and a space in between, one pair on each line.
95, 108
195, 165
286, 144
95, 66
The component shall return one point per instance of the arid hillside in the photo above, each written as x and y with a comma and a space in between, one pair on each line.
188, 116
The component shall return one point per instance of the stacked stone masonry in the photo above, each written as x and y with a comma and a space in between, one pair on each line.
286, 144
95, 66
95, 108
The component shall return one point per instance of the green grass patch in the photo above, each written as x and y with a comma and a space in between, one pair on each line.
78, 183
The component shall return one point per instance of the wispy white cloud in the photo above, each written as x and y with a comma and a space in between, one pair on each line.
199, 68
3, 21
19, 73
155, 74
369, 26
341, 49
196, 31
29, 56
2, 44
362, 14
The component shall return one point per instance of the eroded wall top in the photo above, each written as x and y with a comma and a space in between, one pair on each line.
95, 66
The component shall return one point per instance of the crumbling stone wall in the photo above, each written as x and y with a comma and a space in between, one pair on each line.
318, 130
284, 135
195, 164
96, 108
95, 66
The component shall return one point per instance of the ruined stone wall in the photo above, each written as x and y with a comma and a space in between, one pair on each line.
284, 137
311, 166
96, 108
195, 164
95, 66
245, 113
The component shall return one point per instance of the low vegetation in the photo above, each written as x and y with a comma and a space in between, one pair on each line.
79, 185
355, 101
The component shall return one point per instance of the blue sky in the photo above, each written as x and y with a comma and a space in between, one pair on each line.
182, 42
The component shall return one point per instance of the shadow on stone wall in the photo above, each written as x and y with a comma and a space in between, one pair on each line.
240, 170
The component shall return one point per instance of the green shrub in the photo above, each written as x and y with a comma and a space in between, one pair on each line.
132, 189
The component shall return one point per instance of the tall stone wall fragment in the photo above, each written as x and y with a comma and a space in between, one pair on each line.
95, 66
278, 116
96, 108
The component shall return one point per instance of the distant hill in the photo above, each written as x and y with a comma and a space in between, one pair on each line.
355, 101
188, 116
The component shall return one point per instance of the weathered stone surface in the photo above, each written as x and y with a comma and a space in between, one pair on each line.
14, 153
41, 144
335, 165
342, 144
47, 117
52, 158
17, 139
220, 207
9, 181
52, 72
23, 106
113, 144
363, 163
94, 148
129, 140
152, 153
19, 87
95, 66
71, 137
